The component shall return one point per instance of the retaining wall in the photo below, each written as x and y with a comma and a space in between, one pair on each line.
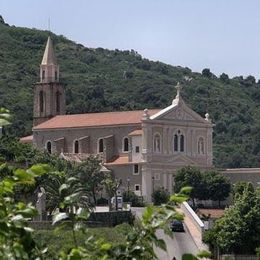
193, 217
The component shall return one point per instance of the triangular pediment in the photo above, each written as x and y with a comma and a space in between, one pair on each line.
180, 160
179, 111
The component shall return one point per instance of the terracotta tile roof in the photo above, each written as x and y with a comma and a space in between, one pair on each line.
136, 132
74, 157
94, 119
214, 213
26, 139
118, 160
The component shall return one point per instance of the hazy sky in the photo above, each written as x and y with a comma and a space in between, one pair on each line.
223, 35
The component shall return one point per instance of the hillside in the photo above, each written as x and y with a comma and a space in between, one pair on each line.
106, 80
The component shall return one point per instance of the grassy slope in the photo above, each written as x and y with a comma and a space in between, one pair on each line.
105, 80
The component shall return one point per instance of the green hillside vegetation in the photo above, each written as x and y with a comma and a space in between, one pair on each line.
106, 80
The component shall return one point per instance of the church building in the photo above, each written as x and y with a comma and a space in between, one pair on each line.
143, 148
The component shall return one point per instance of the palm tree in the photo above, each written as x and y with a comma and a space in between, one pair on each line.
63, 191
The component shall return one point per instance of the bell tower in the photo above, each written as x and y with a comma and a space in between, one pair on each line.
49, 95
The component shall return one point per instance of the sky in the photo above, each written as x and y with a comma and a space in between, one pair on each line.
223, 35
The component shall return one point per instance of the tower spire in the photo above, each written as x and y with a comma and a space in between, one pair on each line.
49, 95
49, 56
49, 69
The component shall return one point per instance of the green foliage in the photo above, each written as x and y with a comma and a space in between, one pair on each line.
240, 187
4, 117
189, 176
89, 172
130, 196
238, 230
16, 241
209, 185
138, 243
160, 196
111, 185
61, 240
101, 79
217, 186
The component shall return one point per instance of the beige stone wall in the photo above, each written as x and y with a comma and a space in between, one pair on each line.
84, 146
94, 134
189, 156
244, 174
136, 141
49, 108
108, 153
126, 171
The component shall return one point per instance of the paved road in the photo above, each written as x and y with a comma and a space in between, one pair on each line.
181, 243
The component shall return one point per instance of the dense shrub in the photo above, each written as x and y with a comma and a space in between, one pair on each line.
131, 197
160, 196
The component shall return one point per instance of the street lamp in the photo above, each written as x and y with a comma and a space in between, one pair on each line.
128, 186
153, 183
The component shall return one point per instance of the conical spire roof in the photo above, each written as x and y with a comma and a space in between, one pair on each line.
49, 57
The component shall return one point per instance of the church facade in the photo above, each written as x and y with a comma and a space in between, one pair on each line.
142, 148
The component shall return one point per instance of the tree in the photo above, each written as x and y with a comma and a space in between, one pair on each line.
160, 196
89, 173
218, 186
239, 188
111, 186
189, 176
206, 73
238, 231
130, 196
207, 185
16, 241
224, 77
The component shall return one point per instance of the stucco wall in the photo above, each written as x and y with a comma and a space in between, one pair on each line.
119, 132
126, 171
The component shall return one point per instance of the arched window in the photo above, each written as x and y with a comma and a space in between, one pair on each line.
57, 101
125, 144
178, 142
43, 74
100, 145
56, 75
157, 143
182, 143
201, 149
49, 147
175, 145
76, 146
41, 99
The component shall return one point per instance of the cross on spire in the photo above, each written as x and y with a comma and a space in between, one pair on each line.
178, 88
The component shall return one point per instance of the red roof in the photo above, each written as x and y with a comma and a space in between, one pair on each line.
94, 119
136, 132
118, 160
26, 139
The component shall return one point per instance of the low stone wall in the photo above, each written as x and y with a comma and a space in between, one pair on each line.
96, 219
188, 211
112, 218
238, 257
